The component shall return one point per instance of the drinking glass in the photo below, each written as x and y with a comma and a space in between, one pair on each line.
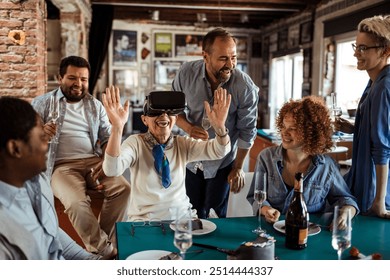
260, 195
205, 120
53, 113
341, 232
336, 113
183, 231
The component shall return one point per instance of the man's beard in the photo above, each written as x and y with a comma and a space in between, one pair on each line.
222, 77
70, 97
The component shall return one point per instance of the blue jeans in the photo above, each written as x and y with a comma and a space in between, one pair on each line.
209, 193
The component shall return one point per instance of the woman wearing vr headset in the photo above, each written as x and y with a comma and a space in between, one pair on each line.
157, 159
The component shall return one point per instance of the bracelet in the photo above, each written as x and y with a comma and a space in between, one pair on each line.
224, 135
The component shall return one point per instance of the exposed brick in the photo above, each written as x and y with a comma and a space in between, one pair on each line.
11, 23
11, 58
9, 6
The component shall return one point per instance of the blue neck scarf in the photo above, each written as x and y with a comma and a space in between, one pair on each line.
161, 164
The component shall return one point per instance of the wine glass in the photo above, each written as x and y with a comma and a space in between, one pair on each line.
53, 109
205, 120
260, 195
53, 114
336, 113
341, 232
183, 231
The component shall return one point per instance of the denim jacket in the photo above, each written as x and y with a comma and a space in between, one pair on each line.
99, 125
323, 184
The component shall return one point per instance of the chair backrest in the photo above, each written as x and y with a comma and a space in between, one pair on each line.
238, 206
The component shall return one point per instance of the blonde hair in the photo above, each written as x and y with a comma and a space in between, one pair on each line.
379, 27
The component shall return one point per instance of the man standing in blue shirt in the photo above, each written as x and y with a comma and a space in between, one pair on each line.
207, 182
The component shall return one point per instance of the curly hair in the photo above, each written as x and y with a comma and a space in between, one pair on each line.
313, 123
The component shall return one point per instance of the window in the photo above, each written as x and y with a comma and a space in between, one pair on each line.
286, 82
350, 82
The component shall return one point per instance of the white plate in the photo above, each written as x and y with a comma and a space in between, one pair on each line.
208, 227
279, 226
148, 255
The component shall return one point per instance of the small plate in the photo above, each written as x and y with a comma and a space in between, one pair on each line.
208, 227
280, 226
148, 255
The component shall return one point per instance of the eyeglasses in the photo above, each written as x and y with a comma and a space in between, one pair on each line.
363, 48
151, 223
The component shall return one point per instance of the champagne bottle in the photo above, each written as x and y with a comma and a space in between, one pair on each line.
297, 218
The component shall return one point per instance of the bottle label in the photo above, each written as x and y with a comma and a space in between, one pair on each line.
303, 234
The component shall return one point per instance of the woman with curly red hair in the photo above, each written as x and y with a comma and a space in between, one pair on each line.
306, 132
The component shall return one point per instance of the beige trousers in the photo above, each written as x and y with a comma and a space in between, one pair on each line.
70, 180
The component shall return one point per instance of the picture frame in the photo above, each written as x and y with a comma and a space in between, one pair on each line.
165, 71
306, 30
242, 47
293, 36
188, 45
124, 48
127, 81
163, 44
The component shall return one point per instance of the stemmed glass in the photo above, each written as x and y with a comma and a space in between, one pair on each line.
336, 113
260, 195
53, 113
341, 232
183, 231
205, 120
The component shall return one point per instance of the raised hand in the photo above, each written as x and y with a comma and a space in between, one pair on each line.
218, 113
117, 113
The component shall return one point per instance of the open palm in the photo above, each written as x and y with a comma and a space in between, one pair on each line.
117, 114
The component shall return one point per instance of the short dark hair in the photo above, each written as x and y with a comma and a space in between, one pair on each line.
210, 37
74, 61
17, 119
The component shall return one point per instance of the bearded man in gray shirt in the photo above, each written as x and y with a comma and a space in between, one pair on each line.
207, 182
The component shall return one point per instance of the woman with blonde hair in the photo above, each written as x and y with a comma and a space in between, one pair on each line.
368, 177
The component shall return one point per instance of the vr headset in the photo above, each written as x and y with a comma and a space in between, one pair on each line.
168, 102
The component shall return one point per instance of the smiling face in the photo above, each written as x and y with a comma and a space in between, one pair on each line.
221, 59
291, 138
74, 83
372, 60
160, 126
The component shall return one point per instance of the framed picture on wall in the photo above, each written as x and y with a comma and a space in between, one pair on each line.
165, 71
306, 32
242, 48
162, 45
293, 36
126, 81
124, 48
188, 45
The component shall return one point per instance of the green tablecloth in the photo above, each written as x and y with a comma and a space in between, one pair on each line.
369, 235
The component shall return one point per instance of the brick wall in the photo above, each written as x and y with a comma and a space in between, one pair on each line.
22, 48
